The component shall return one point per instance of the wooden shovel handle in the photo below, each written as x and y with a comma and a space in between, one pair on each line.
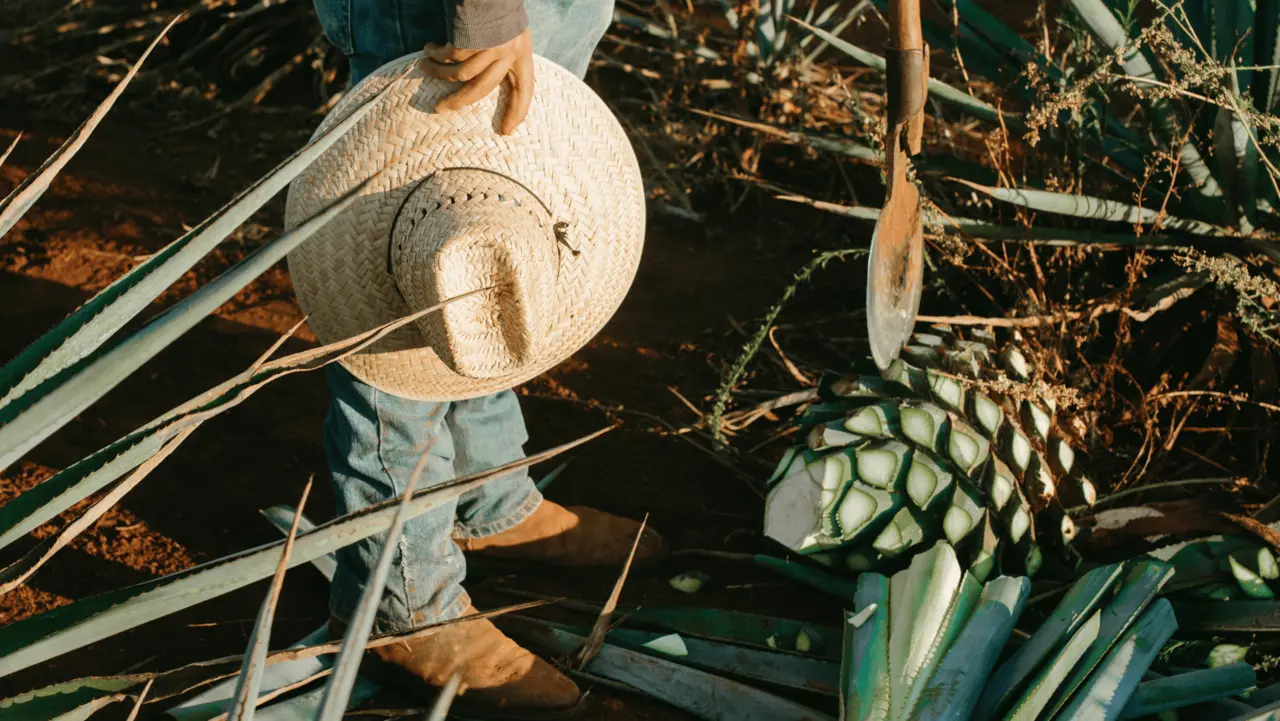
904, 24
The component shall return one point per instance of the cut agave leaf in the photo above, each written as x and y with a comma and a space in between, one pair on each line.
1104, 695
907, 377
903, 533
37, 639
954, 688
967, 448
690, 582
965, 513
1015, 364
13, 207
922, 601
883, 464
864, 511
1268, 569
1250, 582
1016, 450
90, 325
987, 414
837, 586
1187, 689
1036, 420
783, 669
1000, 485
26, 420
1142, 581
669, 645
745, 629
928, 481
873, 421
826, 438
1062, 457
700, 693
946, 391
924, 424
1075, 607
282, 517
865, 681
979, 550
1037, 697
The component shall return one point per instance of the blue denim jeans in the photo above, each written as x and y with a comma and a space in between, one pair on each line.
374, 440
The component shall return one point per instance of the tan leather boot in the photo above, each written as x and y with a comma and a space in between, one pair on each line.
574, 536
500, 679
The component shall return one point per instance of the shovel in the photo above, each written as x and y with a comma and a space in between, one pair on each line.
895, 270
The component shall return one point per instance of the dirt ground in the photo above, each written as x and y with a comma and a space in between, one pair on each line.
132, 190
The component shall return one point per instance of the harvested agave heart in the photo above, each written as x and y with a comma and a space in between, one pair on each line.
896, 462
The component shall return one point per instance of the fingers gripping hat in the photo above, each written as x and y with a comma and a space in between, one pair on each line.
549, 220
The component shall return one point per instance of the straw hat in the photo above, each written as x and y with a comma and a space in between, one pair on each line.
551, 218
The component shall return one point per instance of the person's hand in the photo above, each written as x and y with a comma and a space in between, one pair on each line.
480, 71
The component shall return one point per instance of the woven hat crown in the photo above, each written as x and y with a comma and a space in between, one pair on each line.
531, 239
465, 230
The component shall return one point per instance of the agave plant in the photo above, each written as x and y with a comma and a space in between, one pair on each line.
931, 449
1224, 49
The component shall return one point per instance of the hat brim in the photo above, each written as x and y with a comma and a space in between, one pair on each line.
571, 152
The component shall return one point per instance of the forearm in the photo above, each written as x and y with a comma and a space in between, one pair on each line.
479, 24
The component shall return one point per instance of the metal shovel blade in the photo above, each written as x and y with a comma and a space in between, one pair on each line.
895, 273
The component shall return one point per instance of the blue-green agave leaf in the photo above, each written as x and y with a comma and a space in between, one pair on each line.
86, 477
282, 517
67, 628
252, 670
1067, 237
747, 629
13, 207
1185, 689
1029, 705
83, 712
90, 325
22, 426
1142, 582
1229, 616
1072, 611
53, 701
937, 88
954, 689
1088, 206
1104, 696
792, 670
9, 150
1108, 30
338, 690
1236, 151
1266, 27
216, 700
705, 695
444, 701
864, 678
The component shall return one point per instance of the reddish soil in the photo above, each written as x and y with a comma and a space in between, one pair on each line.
133, 188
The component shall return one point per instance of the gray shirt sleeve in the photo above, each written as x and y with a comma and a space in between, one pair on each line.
479, 24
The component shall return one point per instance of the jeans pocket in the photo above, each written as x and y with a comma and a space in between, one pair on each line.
335, 19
